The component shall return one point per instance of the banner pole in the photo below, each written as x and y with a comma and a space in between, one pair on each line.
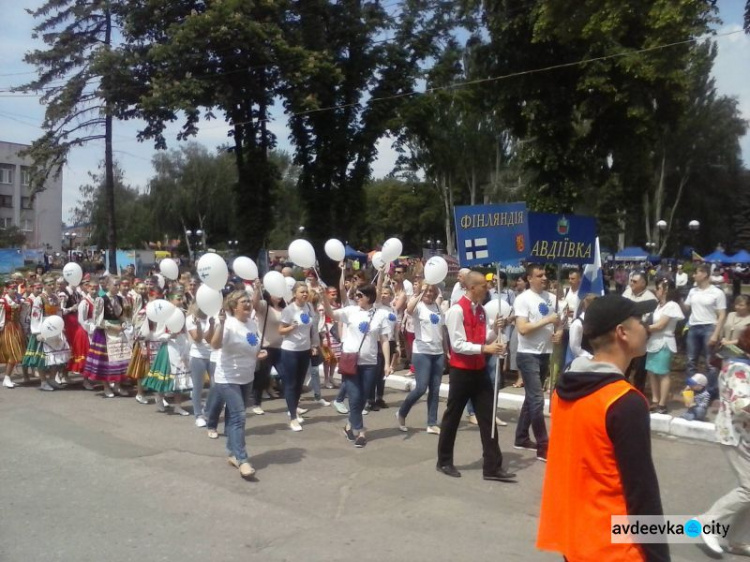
498, 358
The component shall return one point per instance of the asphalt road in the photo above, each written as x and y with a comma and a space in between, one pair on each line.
89, 479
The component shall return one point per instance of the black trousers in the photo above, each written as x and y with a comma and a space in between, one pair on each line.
468, 385
263, 373
637, 373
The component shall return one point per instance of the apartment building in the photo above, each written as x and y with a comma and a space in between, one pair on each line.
40, 220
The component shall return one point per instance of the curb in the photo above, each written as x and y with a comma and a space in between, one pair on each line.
663, 424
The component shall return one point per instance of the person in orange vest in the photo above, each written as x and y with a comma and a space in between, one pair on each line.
466, 324
599, 460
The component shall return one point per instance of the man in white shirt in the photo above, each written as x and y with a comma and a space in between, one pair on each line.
459, 289
537, 324
638, 291
708, 311
572, 298
681, 281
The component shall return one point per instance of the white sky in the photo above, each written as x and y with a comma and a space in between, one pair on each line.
20, 117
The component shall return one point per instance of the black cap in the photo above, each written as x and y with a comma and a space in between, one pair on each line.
605, 313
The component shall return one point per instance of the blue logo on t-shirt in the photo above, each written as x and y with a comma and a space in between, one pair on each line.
435, 319
304, 318
364, 327
392, 317
252, 339
543, 309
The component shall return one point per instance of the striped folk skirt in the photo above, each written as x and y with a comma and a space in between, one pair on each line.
12, 343
108, 357
34, 356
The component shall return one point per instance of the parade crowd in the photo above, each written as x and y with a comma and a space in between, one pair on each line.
260, 346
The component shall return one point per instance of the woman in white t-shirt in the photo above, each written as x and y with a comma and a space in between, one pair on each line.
239, 341
301, 340
661, 344
197, 325
364, 328
428, 356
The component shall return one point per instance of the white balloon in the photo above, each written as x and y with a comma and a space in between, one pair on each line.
52, 326
377, 260
392, 249
159, 310
73, 274
274, 283
245, 268
213, 271
302, 253
335, 250
435, 270
289, 292
209, 300
176, 321
492, 309
160, 280
169, 268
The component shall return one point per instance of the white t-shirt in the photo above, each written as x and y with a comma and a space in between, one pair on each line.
305, 333
572, 300
665, 336
428, 329
356, 322
534, 307
681, 279
704, 304
198, 349
390, 312
408, 288
239, 352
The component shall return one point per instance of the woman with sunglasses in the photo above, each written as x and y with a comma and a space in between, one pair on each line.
299, 328
365, 327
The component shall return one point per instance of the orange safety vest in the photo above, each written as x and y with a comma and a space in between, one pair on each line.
582, 484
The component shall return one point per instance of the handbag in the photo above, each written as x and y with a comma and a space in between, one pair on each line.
348, 360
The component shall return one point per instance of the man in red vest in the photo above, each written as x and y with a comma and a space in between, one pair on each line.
599, 460
466, 324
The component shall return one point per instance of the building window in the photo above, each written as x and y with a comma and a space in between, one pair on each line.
6, 173
27, 225
6, 222
6, 201
27, 203
25, 176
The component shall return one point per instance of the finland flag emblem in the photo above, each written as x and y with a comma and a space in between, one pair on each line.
476, 249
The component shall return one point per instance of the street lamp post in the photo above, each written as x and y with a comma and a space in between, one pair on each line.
71, 236
694, 227
232, 244
196, 236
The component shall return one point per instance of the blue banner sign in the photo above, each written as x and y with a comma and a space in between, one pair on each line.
561, 238
491, 233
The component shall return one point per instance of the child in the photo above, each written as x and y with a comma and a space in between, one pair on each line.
698, 406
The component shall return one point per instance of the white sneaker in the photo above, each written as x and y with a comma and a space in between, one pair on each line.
141, 399
46, 386
294, 425
87, 384
473, 420
300, 420
340, 407
258, 411
7, 383
433, 429
324, 402
160, 407
179, 410
500, 423
301, 411
401, 423
200, 422
712, 542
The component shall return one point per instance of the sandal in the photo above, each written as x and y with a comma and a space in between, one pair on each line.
213, 434
517, 384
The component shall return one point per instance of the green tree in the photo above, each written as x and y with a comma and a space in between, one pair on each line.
73, 74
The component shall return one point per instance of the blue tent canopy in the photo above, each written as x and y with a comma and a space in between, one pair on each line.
631, 253
352, 254
717, 256
741, 257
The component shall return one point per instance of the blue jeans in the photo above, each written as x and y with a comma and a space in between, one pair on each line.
198, 369
293, 368
697, 344
237, 397
314, 372
490, 366
534, 369
695, 413
358, 389
428, 371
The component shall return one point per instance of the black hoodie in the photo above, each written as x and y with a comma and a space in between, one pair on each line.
628, 426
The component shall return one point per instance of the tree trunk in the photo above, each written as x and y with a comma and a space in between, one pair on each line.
109, 166
683, 182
